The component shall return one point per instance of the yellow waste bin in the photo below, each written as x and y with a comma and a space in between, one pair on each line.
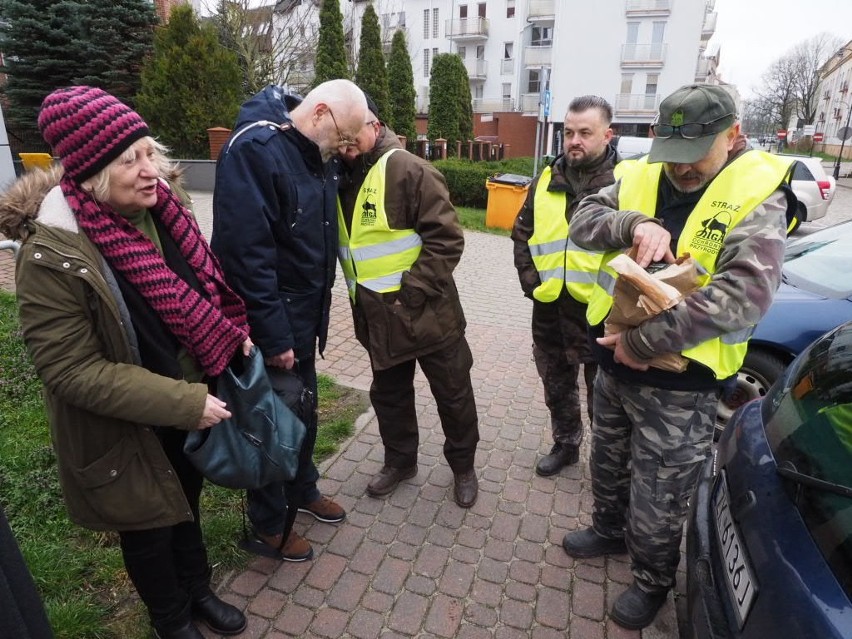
36, 161
506, 195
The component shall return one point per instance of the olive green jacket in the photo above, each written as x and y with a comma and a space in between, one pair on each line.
101, 403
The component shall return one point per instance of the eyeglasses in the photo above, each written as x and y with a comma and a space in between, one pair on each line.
342, 140
688, 131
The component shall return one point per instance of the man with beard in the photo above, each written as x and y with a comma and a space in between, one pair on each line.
558, 275
701, 193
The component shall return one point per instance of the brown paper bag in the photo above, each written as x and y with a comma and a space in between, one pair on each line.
640, 295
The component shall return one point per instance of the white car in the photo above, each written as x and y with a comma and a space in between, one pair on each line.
814, 188
629, 147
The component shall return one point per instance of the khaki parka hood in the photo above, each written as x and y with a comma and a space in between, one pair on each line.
20, 203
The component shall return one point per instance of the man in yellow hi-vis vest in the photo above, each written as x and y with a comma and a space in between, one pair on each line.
697, 192
558, 276
400, 241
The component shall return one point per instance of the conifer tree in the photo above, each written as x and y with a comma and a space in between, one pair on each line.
465, 101
49, 44
444, 100
371, 75
190, 84
401, 93
331, 48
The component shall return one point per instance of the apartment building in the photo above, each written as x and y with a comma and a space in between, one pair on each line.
632, 52
835, 105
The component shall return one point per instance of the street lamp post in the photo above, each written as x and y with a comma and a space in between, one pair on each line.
842, 142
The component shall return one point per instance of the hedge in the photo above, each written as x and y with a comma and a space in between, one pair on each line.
466, 179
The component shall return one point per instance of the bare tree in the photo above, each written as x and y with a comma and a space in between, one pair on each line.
274, 42
778, 94
808, 57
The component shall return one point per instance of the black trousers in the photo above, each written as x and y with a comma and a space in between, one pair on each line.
168, 566
392, 395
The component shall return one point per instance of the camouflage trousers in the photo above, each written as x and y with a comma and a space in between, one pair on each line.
648, 445
559, 376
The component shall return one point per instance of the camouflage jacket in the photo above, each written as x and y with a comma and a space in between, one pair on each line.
748, 271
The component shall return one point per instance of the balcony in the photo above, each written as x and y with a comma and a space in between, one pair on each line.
643, 55
648, 7
507, 66
467, 29
709, 27
476, 69
538, 56
529, 102
636, 104
541, 10
702, 69
486, 105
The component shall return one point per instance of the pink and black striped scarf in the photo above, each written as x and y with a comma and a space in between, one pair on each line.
210, 327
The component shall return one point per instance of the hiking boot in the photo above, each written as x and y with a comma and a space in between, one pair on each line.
221, 617
634, 608
325, 509
465, 488
294, 549
560, 455
587, 543
387, 480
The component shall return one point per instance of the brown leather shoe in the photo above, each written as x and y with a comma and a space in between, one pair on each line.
325, 509
466, 488
387, 480
295, 549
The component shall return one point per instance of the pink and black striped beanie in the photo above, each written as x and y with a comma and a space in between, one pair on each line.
88, 128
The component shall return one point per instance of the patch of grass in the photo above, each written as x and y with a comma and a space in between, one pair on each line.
474, 220
80, 573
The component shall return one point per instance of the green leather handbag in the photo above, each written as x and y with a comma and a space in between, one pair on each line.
260, 443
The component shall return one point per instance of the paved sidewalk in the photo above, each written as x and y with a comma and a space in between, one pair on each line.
416, 565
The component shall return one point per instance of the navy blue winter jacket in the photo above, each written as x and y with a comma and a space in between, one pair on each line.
275, 225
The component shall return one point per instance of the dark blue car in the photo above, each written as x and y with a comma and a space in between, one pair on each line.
769, 543
816, 296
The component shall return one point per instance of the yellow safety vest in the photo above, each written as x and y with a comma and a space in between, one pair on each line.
740, 188
623, 167
557, 259
374, 256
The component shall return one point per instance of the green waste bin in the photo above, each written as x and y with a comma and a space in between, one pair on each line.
506, 195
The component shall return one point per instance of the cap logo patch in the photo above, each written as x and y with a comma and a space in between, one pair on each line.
677, 118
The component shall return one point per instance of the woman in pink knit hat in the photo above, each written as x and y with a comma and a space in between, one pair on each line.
127, 317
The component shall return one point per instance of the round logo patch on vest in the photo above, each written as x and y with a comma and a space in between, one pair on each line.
714, 229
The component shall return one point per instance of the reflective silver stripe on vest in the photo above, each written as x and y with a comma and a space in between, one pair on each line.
737, 337
385, 249
343, 253
378, 284
552, 274
579, 277
606, 281
556, 246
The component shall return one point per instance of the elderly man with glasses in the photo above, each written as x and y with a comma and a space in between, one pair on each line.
700, 193
275, 232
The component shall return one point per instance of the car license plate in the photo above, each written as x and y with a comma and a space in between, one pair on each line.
742, 586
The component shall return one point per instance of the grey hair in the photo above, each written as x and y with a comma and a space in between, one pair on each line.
586, 102
100, 182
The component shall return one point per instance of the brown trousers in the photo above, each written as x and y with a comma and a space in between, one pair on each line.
392, 395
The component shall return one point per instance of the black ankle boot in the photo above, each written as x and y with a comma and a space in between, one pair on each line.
222, 618
186, 631
559, 457
634, 608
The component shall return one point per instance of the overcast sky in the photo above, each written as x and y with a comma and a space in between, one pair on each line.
754, 33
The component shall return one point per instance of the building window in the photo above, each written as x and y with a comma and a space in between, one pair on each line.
462, 51
478, 92
507, 90
534, 84
542, 36
462, 11
435, 23
402, 18
426, 24
632, 32
627, 83
510, 8
481, 9
425, 63
651, 84
508, 50
434, 53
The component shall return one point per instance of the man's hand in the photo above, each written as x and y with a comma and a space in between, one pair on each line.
214, 412
247, 346
613, 343
284, 360
651, 243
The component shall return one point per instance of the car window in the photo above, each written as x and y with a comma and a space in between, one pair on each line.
808, 422
820, 262
801, 172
